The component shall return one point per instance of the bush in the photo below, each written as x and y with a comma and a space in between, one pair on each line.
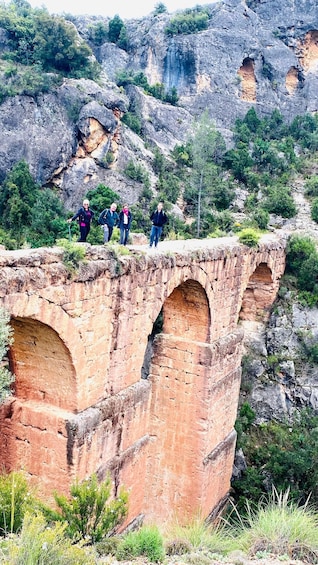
261, 218
311, 186
28, 213
137, 172
314, 210
101, 197
132, 121
299, 249
280, 202
73, 254
89, 513
178, 546
39, 544
190, 21
107, 546
49, 42
115, 27
307, 278
147, 541
281, 454
15, 500
6, 339
280, 527
200, 535
249, 237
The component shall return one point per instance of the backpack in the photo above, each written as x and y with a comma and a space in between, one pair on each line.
102, 217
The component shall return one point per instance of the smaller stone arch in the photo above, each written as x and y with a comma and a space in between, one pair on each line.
247, 74
259, 295
186, 312
42, 364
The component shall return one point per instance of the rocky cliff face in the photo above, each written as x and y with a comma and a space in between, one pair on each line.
254, 53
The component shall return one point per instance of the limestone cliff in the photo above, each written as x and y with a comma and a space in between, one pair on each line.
254, 53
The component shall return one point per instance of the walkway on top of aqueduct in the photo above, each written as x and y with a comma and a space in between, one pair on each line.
132, 366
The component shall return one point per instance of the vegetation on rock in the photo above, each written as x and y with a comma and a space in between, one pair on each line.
39, 44
85, 531
6, 339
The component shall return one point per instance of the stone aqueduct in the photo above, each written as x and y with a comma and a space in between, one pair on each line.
88, 396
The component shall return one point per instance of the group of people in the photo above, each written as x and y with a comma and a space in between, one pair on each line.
109, 218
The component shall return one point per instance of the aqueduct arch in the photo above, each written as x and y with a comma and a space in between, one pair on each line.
259, 294
173, 474
42, 365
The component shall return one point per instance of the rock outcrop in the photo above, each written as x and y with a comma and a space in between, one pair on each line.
261, 54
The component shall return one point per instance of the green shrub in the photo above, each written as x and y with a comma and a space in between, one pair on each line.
137, 172
281, 454
132, 121
47, 42
307, 278
98, 33
73, 254
178, 546
29, 214
101, 197
160, 8
280, 527
107, 546
314, 210
16, 499
249, 237
89, 513
245, 419
115, 27
311, 186
190, 21
39, 544
147, 541
199, 534
280, 202
6, 339
299, 249
261, 218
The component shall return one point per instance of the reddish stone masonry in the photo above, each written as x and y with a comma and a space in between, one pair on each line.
82, 346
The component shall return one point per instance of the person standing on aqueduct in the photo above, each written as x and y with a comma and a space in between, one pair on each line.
85, 216
159, 219
108, 219
125, 218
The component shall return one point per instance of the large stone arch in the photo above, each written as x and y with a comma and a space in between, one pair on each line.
42, 365
177, 374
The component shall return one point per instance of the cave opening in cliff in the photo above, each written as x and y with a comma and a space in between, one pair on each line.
42, 365
248, 78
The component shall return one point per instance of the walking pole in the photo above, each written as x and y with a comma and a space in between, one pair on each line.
69, 232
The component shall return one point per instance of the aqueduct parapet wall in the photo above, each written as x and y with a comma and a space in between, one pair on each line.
100, 389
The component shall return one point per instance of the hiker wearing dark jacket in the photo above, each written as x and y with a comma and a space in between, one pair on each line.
124, 222
159, 219
108, 220
84, 216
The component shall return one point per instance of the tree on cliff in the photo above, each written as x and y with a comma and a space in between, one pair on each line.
206, 189
6, 339
50, 42
29, 214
